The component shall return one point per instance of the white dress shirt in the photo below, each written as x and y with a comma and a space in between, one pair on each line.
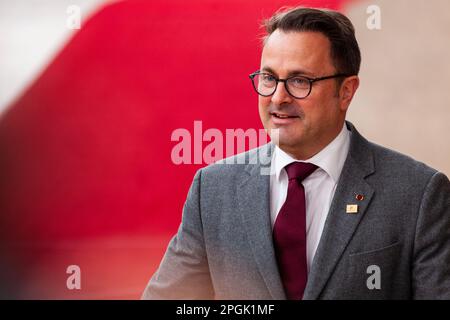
319, 186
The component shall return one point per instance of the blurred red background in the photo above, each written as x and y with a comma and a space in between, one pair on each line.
86, 176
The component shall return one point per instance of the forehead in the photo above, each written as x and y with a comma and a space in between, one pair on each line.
285, 52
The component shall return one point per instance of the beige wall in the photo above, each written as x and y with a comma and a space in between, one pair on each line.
404, 98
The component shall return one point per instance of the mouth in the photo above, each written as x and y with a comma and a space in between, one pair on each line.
282, 115
282, 118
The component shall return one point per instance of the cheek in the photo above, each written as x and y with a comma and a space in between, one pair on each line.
325, 116
308, 109
263, 107
319, 108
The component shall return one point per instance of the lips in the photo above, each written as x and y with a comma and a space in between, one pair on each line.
282, 115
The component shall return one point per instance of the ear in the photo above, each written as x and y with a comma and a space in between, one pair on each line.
347, 91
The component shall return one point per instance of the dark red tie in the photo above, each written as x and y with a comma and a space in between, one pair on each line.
289, 232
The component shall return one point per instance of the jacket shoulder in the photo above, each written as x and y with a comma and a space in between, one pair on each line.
400, 166
257, 157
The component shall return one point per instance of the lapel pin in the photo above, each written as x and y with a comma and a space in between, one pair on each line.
352, 208
359, 197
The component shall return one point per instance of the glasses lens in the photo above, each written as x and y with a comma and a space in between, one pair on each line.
299, 86
265, 84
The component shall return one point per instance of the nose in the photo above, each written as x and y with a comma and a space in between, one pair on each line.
281, 95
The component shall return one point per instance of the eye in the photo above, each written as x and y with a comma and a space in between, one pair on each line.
267, 77
267, 80
299, 82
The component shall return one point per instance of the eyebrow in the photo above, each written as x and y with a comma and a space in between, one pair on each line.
298, 72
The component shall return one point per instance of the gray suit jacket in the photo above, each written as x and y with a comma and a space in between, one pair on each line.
223, 248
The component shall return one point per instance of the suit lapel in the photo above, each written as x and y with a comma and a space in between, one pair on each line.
340, 225
253, 200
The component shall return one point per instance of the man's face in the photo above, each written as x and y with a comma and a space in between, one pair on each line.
315, 120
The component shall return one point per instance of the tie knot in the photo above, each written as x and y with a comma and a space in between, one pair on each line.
299, 170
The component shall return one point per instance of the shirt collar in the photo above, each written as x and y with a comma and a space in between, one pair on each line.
330, 159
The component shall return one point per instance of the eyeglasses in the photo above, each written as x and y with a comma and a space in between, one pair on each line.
298, 87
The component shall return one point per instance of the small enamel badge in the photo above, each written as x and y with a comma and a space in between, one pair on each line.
352, 208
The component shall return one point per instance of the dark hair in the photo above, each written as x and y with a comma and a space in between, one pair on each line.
345, 52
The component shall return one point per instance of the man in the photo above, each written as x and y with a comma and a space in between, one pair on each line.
337, 218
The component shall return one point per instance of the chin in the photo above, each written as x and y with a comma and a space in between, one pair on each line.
285, 135
287, 143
